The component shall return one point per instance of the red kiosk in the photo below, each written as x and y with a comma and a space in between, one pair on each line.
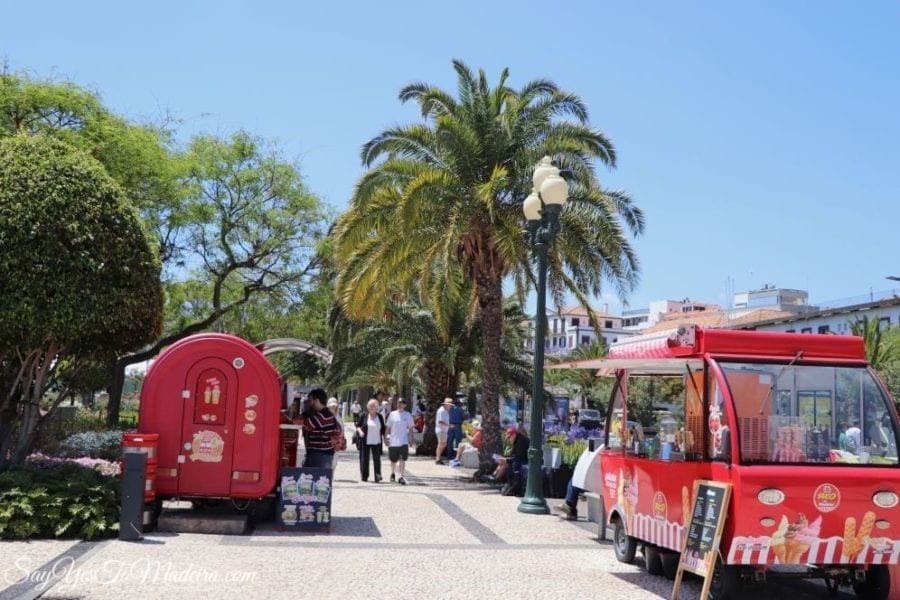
217, 404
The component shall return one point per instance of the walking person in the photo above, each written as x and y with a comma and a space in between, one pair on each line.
442, 428
370, 431
336, 411
355, 410
455, 434
319, 425
400, 429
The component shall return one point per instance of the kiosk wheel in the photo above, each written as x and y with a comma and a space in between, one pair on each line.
624, 545
726, 581
653, 560
877, 584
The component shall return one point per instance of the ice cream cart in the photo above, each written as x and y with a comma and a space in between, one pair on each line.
770, 415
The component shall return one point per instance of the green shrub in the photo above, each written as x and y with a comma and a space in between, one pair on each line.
95, 444
65, 501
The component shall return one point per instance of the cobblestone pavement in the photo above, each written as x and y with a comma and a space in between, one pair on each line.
440, 536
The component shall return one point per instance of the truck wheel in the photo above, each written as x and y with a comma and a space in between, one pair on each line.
653, 560
726, 581
624, 545
877, 585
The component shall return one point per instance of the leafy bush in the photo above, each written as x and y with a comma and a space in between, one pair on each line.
62, 501
94, 444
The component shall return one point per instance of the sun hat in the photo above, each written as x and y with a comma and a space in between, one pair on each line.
447, 401
332, 401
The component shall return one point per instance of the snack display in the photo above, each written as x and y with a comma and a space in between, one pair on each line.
323, 488
289, 515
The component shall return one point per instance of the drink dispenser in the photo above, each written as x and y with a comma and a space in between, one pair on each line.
667, 429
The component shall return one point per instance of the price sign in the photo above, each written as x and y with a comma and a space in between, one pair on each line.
701, 544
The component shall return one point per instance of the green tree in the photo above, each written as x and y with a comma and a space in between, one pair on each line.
881, 347
249, 228
137, 156
446, 194
410, 337
585, 382
80, 279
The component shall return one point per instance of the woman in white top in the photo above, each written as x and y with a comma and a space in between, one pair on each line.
369, 439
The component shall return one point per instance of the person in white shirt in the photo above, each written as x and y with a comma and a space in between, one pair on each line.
400, 428
441, 428
854, 435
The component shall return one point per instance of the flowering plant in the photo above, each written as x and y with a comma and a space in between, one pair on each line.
104, 467
572, 443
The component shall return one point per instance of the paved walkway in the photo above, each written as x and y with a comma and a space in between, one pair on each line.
438, 537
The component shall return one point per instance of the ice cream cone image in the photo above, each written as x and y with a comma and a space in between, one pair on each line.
207, 394
776, 544
215, 394
793, 551
865, 528
849, 548
685, 506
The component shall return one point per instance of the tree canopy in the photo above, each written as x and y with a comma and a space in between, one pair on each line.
442, 203
80, 278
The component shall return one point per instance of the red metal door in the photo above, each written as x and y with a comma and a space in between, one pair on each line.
207, 434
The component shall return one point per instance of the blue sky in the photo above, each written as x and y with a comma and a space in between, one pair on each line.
760, 138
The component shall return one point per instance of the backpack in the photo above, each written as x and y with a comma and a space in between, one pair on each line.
338, 440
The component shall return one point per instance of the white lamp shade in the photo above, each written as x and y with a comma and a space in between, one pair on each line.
544, 169
532, 207
554, 189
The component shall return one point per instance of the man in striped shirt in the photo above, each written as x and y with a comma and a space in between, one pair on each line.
319, 425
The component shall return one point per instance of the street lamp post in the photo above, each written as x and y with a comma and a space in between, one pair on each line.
541, 208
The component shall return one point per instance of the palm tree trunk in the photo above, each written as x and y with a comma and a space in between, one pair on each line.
439, 384
490, 301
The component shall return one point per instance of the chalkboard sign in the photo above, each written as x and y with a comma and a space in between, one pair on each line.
304, 499
704, 532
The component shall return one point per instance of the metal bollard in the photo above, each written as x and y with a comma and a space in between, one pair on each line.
131, 520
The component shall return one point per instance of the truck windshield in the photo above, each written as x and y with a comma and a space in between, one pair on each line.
811, 414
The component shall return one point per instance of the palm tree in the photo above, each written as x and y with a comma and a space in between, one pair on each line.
409, 336
881, 349
584, 381
443, 198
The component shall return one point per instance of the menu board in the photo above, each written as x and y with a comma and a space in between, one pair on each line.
304, 500
704, 532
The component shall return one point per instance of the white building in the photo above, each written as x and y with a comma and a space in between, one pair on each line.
570, 328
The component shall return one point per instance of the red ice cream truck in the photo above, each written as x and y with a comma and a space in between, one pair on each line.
798, 425
217, 404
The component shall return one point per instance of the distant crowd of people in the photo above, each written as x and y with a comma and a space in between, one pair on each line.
387, 423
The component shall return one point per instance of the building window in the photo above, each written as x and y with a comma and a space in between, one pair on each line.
607, 324
575, 322
562, 342
806, 330
824, 329
884, 323
585, 340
